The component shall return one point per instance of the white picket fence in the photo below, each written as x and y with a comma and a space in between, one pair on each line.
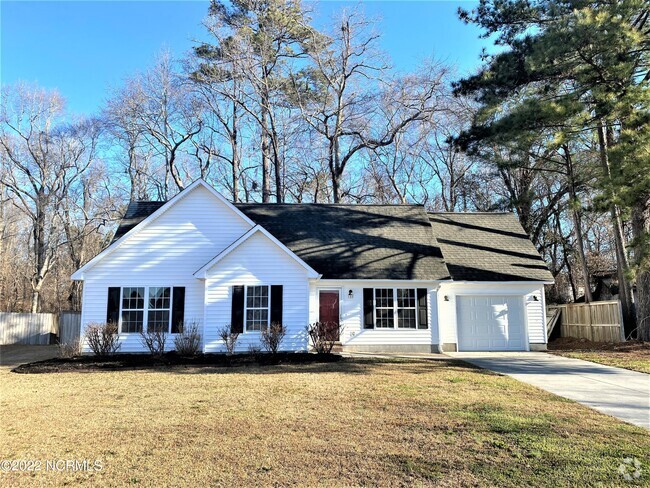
39, 328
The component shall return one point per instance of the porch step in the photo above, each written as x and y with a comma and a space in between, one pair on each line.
337, 347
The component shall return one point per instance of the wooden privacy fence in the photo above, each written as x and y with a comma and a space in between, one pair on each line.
39, 328
596, 321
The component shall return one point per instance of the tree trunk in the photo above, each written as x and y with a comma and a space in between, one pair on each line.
577, 224
641, 229
266, 160
624, 287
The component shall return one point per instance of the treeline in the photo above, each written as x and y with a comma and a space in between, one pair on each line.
271, 109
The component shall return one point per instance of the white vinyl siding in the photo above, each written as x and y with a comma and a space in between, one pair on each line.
165, 253
258, 261
353, 332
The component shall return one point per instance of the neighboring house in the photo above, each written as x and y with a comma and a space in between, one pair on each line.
395, 277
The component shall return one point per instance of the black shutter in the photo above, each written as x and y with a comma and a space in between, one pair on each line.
178, 309
422, 309
113, 305
368, 308
237, 311
276, 304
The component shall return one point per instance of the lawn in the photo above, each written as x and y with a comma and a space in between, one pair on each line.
631, 355
355, 422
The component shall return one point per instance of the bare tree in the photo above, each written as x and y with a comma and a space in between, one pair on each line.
349, 99
44, 158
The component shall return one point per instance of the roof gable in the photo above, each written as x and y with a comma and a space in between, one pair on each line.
203, 271
141, 214
487, 247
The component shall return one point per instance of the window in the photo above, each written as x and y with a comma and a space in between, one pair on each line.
132, 309
159, 309
384, 308
395, 306
146, 305
406, 311
257, 308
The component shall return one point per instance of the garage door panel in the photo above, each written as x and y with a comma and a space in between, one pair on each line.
491, 323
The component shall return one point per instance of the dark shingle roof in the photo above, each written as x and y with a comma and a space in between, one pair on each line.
135, 213
391, 241
487, 247
356, 241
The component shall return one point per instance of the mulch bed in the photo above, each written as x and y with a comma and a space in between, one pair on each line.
571, 344
118, 362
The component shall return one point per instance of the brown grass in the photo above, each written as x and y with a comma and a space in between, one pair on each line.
357, 422
631, 355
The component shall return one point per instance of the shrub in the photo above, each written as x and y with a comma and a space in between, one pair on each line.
323, 335
272, 337
229, 338
70, 349
102, 339
155, 341
188, 342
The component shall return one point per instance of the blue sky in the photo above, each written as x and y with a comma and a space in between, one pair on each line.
83, 48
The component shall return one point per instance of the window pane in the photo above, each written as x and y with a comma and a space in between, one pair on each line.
384, 318
133, 298
132, 321
406, 318
158, 320
159, 297
405, 298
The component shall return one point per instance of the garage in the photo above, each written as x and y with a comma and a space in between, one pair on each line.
491, 323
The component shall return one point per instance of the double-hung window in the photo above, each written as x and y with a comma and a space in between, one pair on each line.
146, 305
395, 307
159, 310
257, 308
132, 309
384, 308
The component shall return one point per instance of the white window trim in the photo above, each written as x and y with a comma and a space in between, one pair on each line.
145, 315
268, 315
395, 307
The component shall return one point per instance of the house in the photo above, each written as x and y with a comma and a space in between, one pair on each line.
396, 277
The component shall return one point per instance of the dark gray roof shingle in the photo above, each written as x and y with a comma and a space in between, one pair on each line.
135, 213
400, 242
487, 247
356, 241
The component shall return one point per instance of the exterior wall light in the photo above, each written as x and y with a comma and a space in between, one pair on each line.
350, 294
446, 298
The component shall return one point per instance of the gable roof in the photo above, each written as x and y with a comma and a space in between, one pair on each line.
202, 272
142, 219
369, 242
487, 247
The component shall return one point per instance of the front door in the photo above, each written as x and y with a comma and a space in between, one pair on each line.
328, 311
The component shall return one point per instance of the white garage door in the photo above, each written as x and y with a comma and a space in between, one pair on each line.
491, 323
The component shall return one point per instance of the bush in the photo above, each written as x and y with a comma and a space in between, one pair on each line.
102, 339
70, 349
229, 338
188, 342
272, 337
323, 335
155, 341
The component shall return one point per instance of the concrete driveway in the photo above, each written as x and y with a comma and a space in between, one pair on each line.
14, 355
617, 392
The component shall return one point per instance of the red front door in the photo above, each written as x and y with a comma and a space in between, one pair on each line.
328, 311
